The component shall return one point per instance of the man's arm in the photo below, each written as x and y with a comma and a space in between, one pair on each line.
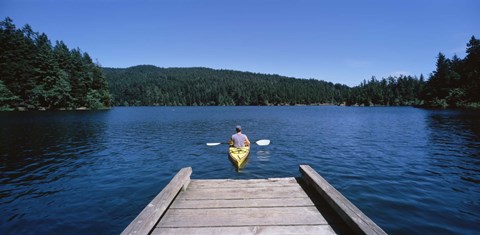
247, 142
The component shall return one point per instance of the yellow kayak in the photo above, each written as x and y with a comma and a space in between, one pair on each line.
238, 155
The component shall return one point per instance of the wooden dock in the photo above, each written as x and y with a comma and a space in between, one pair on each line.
306, 205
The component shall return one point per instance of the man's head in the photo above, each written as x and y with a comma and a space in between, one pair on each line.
238, 128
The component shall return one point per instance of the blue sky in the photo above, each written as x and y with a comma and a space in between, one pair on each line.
337, 41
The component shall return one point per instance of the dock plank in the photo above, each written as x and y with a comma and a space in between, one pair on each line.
294, 230
175, 218
252, 183
239, 203
251, 206
233, 193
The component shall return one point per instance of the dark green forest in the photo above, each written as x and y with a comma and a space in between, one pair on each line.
149, 85
456, 82
35, 75
391, 91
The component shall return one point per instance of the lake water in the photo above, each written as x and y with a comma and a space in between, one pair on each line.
412, 171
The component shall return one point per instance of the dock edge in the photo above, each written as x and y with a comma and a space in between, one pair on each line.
356, 219
145, 222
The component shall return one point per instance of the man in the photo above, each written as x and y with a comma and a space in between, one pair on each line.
239, 139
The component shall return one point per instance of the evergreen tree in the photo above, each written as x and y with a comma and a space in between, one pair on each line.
7, 98
455, 82
40, 76
471, 71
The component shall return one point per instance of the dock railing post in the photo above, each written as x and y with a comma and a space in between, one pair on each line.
145, 222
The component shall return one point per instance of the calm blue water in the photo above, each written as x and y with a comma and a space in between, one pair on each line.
413, 171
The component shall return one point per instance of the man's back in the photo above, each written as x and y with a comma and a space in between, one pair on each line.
239, 140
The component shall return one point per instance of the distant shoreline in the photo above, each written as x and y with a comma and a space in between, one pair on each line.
81, 109
472, 106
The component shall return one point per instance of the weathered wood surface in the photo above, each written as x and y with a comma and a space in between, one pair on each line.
233, 193
238, 203
257, 206
294, 230
175, 218
355, 218
263, 206
146, 220
251, 183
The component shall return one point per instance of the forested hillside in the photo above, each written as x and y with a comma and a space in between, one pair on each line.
34, 75
150, 85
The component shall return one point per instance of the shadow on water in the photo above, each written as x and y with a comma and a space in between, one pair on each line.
28, 145
454, 141
40, 153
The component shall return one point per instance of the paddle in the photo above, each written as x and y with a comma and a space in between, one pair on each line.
259, 142
263, 142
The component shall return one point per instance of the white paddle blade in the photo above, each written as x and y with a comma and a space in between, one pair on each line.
263, 142
213, 144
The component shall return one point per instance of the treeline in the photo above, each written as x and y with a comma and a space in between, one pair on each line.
456, 82
391, 91
146, 85
34, 75
150, 85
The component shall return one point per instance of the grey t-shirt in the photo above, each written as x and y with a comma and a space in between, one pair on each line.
239, 140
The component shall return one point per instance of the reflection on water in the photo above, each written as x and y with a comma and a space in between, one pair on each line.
455, 144
263, 155
39, 158
441, 182
32, 150
412, 171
